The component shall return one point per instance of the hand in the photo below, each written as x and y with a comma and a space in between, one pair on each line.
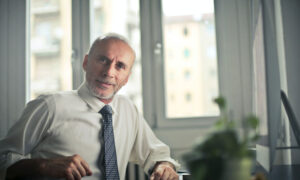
164, 171
69, 168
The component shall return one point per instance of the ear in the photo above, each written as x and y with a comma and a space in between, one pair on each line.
85, 62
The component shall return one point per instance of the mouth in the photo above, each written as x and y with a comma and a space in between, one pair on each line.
104, 84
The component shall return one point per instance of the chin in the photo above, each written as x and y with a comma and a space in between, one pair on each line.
105, 96
101, 95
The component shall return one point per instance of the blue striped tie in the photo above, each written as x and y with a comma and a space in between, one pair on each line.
110, 157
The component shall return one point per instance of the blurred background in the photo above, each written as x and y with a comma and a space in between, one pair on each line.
188, 53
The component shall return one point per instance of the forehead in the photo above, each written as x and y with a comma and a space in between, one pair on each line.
113, 48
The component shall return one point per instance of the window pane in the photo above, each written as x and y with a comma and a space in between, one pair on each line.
50, 39
121, 17
190, 58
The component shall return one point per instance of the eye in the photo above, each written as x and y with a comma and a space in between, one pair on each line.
103, 60
121, 65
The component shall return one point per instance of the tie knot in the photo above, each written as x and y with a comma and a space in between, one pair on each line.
106, 110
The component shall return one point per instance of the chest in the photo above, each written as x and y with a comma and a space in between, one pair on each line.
82, 133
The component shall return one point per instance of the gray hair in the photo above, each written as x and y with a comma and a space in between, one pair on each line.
109, 36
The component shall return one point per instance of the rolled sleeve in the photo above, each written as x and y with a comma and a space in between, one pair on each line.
24, 135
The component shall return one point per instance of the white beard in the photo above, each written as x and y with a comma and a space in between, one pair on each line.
93, 90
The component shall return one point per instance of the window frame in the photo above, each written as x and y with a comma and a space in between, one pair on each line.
80, 38
232, 38
80, 41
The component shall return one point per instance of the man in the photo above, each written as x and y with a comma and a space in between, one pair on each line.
67, 134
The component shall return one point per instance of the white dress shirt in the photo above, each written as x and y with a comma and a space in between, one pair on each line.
68, 123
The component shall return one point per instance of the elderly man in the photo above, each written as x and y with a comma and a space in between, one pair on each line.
90, 133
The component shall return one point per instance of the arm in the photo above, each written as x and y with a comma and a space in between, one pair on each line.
150, 152
70, 168
23, 168
24, 136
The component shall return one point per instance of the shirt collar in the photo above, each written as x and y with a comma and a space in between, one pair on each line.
94, 103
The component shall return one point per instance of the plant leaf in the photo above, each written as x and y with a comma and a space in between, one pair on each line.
220, 101
252, 121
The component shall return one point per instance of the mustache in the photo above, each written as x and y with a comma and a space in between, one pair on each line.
106, 81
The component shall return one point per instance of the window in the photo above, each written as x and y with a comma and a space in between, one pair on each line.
185, 31
50, 39
197, 17
186, 53
211, 52
188, 97
187, 74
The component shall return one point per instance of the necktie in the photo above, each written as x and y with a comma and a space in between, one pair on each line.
110, 157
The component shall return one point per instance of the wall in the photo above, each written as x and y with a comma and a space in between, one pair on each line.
12, 62
291, 30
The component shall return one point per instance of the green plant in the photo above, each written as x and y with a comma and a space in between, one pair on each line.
211, 157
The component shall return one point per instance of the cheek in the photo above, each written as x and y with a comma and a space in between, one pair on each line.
123, 81
94, 71
89, 74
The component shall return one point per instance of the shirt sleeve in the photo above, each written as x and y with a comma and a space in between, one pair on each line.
148, 149
25, 134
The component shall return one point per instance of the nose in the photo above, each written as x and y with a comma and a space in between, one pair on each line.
110, 70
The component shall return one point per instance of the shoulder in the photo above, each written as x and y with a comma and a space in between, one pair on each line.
119, 98
123, 103
57, 100
122, 100
56, 97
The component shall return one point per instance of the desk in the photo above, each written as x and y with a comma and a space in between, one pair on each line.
183, 175
281, 172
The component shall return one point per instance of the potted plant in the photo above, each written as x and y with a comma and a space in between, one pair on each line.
224, 154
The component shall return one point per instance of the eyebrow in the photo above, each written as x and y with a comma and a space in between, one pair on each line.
105, 57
